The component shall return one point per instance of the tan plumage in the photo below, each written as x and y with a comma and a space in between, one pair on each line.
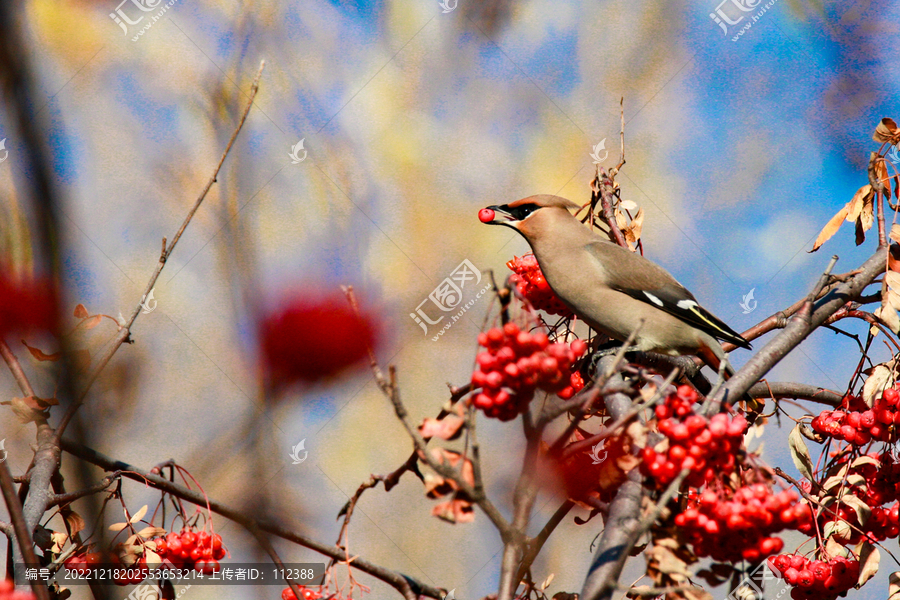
612, 289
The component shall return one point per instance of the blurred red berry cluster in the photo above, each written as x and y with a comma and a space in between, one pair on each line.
516, 364
315, 338
26, 304
307, 593
8, 592
530, 283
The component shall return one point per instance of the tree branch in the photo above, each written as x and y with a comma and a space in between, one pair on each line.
622, 518
808, 318
408, 586
20, 528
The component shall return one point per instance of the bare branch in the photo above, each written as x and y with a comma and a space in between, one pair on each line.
125, 332
406, 585
800, 326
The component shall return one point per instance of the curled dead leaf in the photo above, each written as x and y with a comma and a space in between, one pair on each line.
454, 511
31, 408
886, 132
40, 355
466, 471
830, 228
448, 428
81, 312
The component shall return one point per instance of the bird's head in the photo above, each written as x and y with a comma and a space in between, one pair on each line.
529, 216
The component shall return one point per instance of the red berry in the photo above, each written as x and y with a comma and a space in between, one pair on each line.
485, 215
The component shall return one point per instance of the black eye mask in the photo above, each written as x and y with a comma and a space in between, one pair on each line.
521, 211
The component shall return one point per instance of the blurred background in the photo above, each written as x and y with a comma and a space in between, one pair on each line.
413, 115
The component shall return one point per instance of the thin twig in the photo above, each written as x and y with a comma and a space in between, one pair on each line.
16, 369
125, 332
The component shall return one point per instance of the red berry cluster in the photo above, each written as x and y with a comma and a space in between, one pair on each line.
861, 426
308, 594
816, 579
533, 287
190, 549
516, 363
8, 592
740, 525
705, 447
881, 486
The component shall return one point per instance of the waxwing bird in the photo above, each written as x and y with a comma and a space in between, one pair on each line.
610, 288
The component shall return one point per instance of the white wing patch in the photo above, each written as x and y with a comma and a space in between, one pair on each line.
686, 304
653, 299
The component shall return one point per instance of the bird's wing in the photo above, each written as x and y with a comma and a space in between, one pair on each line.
643, 280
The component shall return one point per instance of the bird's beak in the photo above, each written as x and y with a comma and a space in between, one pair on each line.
501, 216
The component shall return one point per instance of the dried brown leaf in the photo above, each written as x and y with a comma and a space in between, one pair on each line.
855, 206
91, 322
39, 355
886, 131
894, 586
139, 514
867, 215
800, 453
869, 559
830, 228
454, 511
75, 522
448, 428
895, 232
81, 312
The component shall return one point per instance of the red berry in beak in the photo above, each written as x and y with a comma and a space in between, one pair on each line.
485, 215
